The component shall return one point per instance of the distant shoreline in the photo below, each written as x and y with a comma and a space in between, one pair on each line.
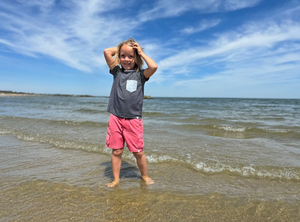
13, 93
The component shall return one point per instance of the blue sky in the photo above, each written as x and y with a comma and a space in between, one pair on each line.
203, 48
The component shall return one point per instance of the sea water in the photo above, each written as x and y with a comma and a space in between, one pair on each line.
211, 159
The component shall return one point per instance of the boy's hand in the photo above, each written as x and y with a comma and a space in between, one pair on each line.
138, 48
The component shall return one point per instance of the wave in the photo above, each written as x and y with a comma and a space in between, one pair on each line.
239, 132
257, 130
90, 111
13, 121
251, 129
77, 123
211, 168
153, 114
60, 143
266, 172
231, 128
251, 171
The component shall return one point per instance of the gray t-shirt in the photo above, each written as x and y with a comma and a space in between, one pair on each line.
127, 93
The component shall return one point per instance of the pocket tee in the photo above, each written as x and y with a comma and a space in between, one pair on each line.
131, 85
127, 93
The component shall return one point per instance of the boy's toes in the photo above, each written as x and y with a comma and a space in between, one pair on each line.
148, 180
112, 184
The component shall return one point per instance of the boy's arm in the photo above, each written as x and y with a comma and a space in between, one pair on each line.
108, 54
152, 66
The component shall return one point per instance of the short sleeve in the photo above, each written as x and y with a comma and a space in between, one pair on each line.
143, 76
114, 70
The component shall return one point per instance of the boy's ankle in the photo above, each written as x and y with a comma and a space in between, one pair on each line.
113, 183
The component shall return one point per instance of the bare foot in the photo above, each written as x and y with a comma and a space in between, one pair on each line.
148, 180
113, 184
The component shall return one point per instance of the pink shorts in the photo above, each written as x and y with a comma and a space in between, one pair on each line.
122, 130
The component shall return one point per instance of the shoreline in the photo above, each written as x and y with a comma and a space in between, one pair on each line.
23, 94
13, 93
32, 94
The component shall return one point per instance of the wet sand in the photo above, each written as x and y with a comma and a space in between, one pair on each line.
42, 183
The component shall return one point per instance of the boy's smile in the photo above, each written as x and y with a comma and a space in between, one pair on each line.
127, 57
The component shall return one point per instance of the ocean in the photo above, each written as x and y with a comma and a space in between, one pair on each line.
212, 159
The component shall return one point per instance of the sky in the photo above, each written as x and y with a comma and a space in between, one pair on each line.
203, 48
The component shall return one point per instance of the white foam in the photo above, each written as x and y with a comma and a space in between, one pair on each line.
276, 131
248, 171
160, 159
231, 128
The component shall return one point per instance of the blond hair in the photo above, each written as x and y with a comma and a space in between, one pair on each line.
139, 62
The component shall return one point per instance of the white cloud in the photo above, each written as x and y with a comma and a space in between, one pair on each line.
171, 8
289, 57
232, 5
76, 32
258, 57
74, 35
264, 36
203, 25
267, 80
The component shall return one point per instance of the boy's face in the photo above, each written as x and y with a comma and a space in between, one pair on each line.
127, 57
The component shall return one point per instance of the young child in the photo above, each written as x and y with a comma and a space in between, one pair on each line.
126, 103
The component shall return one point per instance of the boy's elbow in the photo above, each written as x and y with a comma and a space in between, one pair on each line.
154, 68
110, 51
106, 52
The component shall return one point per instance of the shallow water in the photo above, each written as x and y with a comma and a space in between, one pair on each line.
40, 182
212, 160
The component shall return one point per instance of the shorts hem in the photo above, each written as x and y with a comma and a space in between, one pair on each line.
114, 148
136, 150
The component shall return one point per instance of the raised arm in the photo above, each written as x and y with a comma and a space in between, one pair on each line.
152, 66
108, 54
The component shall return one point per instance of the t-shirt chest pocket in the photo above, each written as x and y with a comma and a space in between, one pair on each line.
131, 85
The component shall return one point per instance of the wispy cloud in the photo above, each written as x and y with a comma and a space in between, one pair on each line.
235, 44
232, 5
76, 32
171, 8
72, 32
203, 25
262, 54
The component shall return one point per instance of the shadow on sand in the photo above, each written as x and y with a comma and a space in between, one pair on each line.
127, 170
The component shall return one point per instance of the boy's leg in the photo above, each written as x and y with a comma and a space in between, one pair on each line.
116, 162
142, 164
114, 139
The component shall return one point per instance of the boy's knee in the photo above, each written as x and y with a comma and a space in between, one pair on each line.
138, 154
117, 152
